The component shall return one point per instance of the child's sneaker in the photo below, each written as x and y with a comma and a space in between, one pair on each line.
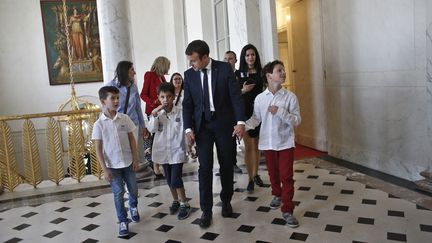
123, 229
275, 203
134, 215
291, 221
184, 211
174, 207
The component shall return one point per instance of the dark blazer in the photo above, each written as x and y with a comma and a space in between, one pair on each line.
227, 99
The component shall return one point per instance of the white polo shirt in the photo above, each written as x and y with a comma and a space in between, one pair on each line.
277, 131
114, 135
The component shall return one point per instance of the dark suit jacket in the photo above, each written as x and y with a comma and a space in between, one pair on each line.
227, 99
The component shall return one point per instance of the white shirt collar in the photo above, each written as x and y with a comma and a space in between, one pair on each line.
104, 117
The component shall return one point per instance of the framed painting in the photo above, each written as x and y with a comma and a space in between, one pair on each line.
83, 28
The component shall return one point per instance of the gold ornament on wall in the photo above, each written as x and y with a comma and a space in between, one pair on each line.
9, 177
54, 151
32, 165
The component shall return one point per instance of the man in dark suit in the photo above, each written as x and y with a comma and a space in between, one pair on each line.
212, 114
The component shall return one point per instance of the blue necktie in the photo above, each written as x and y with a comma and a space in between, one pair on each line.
206, 96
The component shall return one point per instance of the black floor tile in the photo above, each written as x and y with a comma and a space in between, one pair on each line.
196, 221
328, 183
369, 187
58, 220
155, 204
94, 204
28, 215
341, 208
92, 215
260, 241
333, 228
90, 240
369, 201
279, 221
296, 203
246, 228
216, 194
263, 209
392, 196
235, 215
21, 227
218, 204
90, 227
350, 192
312, 177
298, 171
62, 209
159, 215
299, 236
52, 234
209, 236
164, 228
321, 197
311, 214
13, 240
354, 241
151, 195
304, 188
361, 220
349, 179
251, 199
172, 241
426, 228
396, 237
239, 190
395, 213
131, 234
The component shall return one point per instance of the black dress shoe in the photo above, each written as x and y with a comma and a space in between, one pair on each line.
227, 210
205, 220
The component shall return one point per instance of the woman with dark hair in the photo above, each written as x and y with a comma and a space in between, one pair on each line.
177, 81
249, 77
130, 102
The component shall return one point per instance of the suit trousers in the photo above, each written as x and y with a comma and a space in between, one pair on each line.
211, 133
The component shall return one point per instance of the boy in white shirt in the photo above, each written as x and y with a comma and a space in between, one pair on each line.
277, 110
169, 147
117, 152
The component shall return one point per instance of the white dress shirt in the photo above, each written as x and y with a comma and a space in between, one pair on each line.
277, 131
115, 141
168, 143
209, 72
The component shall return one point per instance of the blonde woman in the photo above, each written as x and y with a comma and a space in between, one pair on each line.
152, 79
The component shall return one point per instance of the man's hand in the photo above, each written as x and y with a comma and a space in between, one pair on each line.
273, 109
190, 140
108, 175
239, 131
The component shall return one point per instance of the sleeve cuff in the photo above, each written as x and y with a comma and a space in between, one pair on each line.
188, 130
241, 123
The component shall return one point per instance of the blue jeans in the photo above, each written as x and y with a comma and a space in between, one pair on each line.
119, 177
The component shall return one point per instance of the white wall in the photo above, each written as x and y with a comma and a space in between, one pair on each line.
376, 89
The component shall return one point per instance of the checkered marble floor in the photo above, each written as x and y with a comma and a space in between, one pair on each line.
330, 208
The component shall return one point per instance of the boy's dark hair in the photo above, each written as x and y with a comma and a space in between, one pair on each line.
228, 52
103, 92
268, 68
198, 46
166, 87
122, 72
243, 65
